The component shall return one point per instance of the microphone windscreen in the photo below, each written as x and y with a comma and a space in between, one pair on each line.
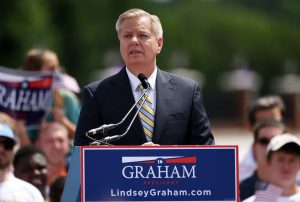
143, 79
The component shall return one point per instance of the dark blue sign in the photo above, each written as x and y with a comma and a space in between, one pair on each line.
25, 95
190, 173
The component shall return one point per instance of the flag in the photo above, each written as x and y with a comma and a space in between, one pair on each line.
25, 95
270, 194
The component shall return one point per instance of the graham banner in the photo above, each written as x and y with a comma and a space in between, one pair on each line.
25, 95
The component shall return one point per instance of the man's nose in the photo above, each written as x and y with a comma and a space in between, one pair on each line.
134, 40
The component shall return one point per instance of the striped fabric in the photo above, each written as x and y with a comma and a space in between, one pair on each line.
147, 116
271, 194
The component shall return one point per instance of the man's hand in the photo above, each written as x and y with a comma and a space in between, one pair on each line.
150, 144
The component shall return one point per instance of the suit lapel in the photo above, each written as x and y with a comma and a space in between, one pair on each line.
165, 92
123, 97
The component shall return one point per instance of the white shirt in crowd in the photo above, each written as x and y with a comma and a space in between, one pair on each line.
17, 190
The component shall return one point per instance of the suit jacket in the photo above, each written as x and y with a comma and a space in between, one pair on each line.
180, 117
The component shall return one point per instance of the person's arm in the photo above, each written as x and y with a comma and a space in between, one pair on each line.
58, 116
199, 127
89, 117
21, 132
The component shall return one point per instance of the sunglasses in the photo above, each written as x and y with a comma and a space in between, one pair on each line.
263, 141
7, 145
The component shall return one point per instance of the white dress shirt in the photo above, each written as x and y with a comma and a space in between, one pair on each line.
135, 83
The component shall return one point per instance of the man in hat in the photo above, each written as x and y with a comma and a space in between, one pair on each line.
263, 133
12, 188
283, 156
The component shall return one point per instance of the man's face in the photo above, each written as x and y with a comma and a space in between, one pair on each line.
33, 169
49, 62
6, 152
260, 145
138, 43
272, 113
55, 145
284, 168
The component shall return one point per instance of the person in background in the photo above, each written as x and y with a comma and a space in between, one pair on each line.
18, 127
283, 157
65, 104
173, 114
56, 189
53, 140
12, 188
263, 133
30, 164
264, 108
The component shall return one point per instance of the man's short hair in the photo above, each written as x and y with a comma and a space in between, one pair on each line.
26, 151
136, 12
268, 123
264, 103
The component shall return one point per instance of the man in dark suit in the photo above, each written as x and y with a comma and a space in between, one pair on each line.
179, 117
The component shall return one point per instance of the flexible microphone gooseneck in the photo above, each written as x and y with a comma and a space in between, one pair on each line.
103, 129
110, 139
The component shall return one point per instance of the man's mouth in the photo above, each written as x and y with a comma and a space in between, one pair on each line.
36, 181
135, 52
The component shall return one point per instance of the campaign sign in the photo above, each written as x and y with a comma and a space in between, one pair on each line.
185, 173
25, 95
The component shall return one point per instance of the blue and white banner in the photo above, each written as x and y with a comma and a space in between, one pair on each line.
181, 173
25, 95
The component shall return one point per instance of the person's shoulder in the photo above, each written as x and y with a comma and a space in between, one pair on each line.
250, 199
103, 83
177, 78
249, 180
20, 185
23, 184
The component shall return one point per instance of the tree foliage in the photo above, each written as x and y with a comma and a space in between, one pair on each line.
209, 32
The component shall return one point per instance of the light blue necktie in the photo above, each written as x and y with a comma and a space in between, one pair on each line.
147, 116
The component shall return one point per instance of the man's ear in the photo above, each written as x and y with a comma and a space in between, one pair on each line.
160, 42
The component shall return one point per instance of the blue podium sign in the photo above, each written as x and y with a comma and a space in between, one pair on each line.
173, 173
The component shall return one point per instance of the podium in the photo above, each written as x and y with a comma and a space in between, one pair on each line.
163, 173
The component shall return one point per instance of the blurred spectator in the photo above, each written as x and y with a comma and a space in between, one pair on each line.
56, 189
53, 140
263, 133
12, 188
283, 157
17, 126
264, 108
65, 105
30, 164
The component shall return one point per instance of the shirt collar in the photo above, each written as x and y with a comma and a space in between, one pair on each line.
135, 82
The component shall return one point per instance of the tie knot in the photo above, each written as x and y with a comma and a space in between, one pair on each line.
141, 87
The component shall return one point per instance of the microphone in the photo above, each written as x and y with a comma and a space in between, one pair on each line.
111, 139
103, 129
144, 81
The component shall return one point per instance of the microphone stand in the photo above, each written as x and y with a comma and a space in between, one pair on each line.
107, 139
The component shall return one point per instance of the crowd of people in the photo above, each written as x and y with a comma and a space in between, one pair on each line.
269, 171
34, 163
